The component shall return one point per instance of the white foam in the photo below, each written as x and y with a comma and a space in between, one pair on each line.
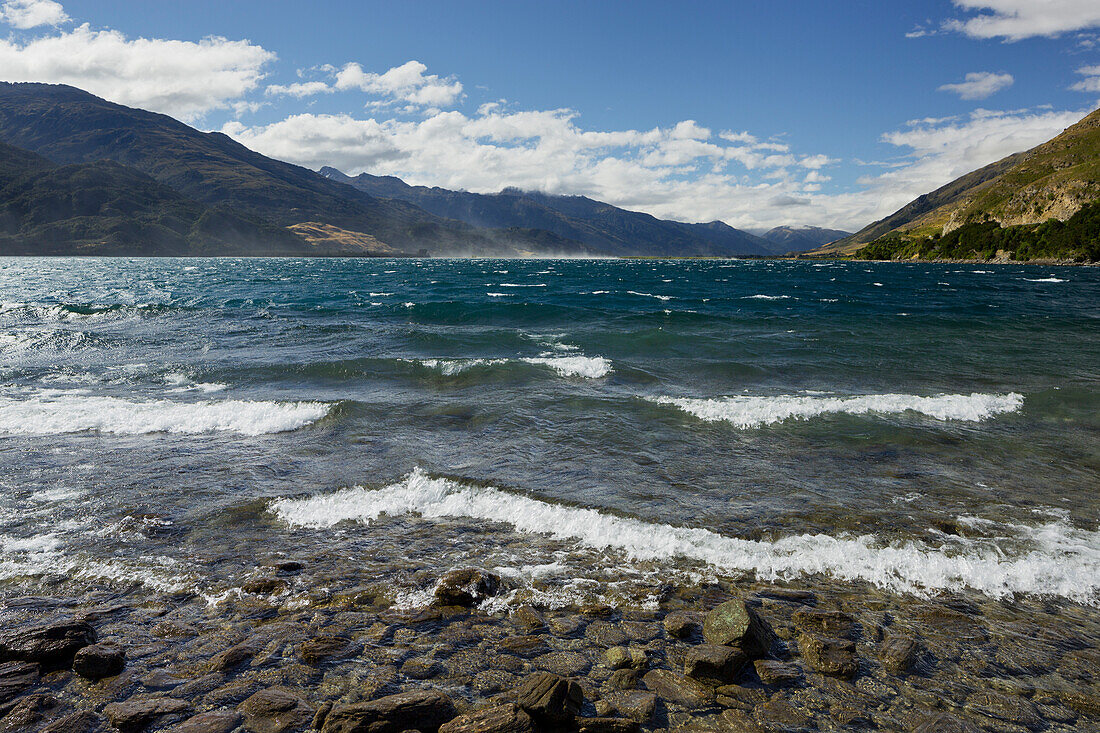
1051, 279
650, 295
1057, 559
747, 411
589, 367
766, 297
51, 414
450, 367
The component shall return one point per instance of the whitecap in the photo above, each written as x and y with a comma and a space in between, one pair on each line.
766, 297
1050, 279
650, 295
589, 367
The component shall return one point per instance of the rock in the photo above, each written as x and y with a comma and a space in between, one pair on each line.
506, 718
714, 663
619, 657
466, 587
741, 698
27, 711
778, 714
823, 623
566, 626
50, 645
235, 655
834, 657
289, 567
682, 625
321, 715
323, 649
418, 709
1009, 708
777, 674
624, 679
944, 723
604, 633
213, 721
421, 668
137, 714
524, 646
275, 710
597, 610
84, 721
678, 688
788, 595
15, 677
528, 619
99, 660
605, 725
566, 664
1083, 701
550, 697
899, 653
736, 624
637, 705
264, 586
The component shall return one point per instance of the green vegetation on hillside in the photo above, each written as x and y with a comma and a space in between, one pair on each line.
1076, 239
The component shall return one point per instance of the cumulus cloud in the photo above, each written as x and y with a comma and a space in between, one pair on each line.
1013, 20
180, 78
407, 83
979, 85
299, 89
1091, 82
23, 14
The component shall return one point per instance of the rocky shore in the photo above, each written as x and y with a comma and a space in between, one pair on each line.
758, 657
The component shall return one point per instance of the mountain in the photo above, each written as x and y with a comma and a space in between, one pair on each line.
1053, 180
800, 239
68, 126
107, 208
601, 227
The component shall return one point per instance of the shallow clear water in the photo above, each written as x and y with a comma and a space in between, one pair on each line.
588, 428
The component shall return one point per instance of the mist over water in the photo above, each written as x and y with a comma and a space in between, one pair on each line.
587, 428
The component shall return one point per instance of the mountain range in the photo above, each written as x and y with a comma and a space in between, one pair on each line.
999, 204
81, 174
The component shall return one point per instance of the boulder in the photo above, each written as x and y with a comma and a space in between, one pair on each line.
1008, 708
824, 623
235, 655
506, 718
605, 725
528, 619
137, 714
422, 710
466, 587
27, 711
99, 660
899, 653
84, 721
421, 668
637, 705
275, 710
777, 674
834, 657
624, 679
678, 688
15, 677
550, 697
621, 657
322, 649
734, 623
714, 663
682, 625
213, 721
51, 645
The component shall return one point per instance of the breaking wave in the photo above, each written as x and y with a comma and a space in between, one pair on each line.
1054, 559
587, 367
746, 411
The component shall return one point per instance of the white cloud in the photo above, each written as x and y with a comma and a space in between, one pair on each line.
979, 85
407, 83
299, 89
1017, 19
23, 14
180, 78
1091, 82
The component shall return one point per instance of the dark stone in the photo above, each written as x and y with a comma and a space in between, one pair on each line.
466, 587
27, 711
51, 645
524, 646
899, 653
945, 723
264, 586
788, 595
777, 674
213, 721
834, 657
420, 709
550, 697
321, 715
1009, 708
289, 567
604, 633
275, 710
714, 663
624, 679
678, 688
326, 648
99, 660
506, 718
137, 714
605, 725
736, 624
528, 619
421, 668
621, 657
824, 623
567, 664
84, 721
637, 705
15, 677
682, 625
235, 655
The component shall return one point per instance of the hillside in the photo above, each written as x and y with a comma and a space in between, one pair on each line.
800, 239
601, 227
70, 126
1053, 180
107, 208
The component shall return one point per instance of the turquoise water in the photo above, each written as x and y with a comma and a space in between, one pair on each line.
589, 428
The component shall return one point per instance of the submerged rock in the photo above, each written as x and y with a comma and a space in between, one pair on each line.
418, 709
637, 705
824, 623
506, 718
27, 711
275, 710
550, 697
834, 657
84, 721
466, 587
899, 653
15, 677
605, 725
137, 714
51, 645
777, 674
213, 721
714, 663
679, 688
327, 648
99, 660
734, 623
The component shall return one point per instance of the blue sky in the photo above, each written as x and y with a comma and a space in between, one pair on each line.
826, 113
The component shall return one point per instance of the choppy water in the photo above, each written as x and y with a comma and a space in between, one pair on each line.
590, 429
